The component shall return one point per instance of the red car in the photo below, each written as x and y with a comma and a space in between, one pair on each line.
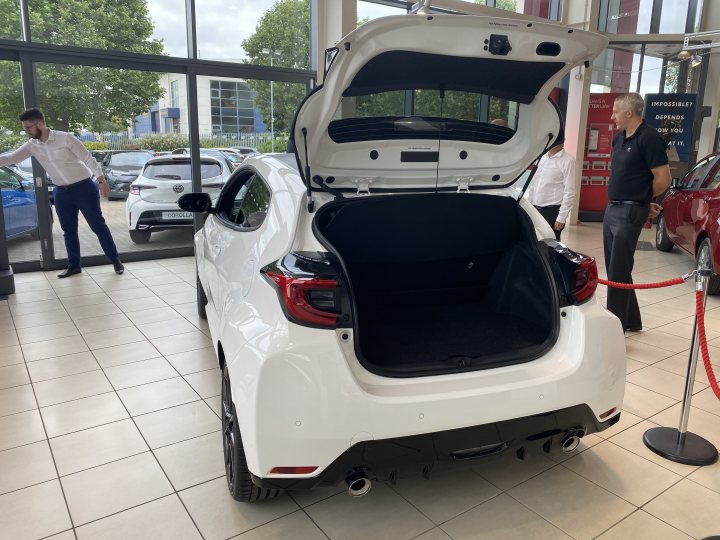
691, 216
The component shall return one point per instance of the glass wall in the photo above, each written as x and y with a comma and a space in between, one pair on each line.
649, 16
19, 200
262, 32
10, 25
122, 136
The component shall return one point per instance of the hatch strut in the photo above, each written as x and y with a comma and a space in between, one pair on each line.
311, 203
335, 192
534, 165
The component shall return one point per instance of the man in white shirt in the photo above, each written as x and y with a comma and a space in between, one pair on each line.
552, 190
71, 167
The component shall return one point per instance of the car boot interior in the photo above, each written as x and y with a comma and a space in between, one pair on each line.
442, 282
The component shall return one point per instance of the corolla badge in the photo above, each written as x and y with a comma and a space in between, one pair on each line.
178, 188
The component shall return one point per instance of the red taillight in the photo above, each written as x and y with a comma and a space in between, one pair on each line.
307, 300
585, 279
136, 188
293, 470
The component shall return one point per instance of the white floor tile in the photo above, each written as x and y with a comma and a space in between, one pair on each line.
117, 486
34, 512
218, 516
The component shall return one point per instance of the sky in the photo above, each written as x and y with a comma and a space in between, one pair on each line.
223, 24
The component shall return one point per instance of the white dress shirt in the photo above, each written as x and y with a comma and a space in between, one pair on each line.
554, 183
63, 157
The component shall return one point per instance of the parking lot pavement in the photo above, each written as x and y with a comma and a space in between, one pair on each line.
25, 249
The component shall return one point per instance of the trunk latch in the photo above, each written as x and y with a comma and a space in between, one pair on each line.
463, 182
363, 185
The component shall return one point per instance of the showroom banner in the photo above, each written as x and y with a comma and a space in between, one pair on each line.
596, 157
673, 115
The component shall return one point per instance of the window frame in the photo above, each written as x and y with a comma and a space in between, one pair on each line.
230, 191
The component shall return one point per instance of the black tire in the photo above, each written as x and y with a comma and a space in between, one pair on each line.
662, 240
704, 260
236, 471
201, 299
140, 237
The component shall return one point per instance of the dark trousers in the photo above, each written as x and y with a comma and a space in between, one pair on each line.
550, 213
82, 197
621, 229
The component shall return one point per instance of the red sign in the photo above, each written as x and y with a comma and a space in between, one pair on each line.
596, 157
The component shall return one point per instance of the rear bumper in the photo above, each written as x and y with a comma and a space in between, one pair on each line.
152, 220
417, 455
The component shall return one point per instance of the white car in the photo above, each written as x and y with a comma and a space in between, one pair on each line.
384, 303
152, 201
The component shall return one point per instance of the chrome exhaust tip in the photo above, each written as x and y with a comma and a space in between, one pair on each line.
570, 443
358, 484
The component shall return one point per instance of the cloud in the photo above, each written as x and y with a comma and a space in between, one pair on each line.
221, 26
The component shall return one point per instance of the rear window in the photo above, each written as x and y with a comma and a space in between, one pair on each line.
129, 159
424, 114
180, 170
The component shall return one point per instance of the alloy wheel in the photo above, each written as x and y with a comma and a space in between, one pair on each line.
703, 256
228, 421
660, 230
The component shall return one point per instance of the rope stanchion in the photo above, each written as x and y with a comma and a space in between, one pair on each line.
678, 444
700, 310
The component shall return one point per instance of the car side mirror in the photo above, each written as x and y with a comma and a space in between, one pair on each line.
197, 203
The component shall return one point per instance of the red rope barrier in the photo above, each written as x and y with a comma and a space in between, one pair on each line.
616, 285
700, 310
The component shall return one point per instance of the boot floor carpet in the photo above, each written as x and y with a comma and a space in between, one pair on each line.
404, 336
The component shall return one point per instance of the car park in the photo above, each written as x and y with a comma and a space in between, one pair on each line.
121, 168
690, 217
151, 204
19, 206
384, 302
245, 151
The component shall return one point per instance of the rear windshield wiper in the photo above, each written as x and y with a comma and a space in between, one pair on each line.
169, 176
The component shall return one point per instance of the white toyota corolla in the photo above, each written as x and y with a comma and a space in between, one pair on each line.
384, 303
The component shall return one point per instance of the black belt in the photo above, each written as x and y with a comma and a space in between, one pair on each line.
627, 203
74, 184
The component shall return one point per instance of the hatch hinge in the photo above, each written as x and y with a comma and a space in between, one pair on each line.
463, 183
363, 185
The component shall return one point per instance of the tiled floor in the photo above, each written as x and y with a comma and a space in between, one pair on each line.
109, 429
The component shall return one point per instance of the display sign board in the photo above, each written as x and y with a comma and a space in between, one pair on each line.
596, 157
673, 115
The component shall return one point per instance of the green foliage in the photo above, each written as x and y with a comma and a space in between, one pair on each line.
10, 141
79, 96
265, 147
164, 142
95, 145
284, 30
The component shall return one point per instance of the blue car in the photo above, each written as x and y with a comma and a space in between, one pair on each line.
19, 206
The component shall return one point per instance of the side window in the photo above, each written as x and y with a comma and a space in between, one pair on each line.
713, 181
250, 204
695, 176
709, 180
8, 180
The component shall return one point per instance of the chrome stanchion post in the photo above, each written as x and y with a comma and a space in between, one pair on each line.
678, 444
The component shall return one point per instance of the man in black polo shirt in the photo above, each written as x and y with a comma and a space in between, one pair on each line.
639, 173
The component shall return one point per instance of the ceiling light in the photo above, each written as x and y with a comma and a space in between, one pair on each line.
696, 61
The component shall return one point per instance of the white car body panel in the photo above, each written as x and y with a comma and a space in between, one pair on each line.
301, 396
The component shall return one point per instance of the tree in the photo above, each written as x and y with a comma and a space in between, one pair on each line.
284, 32
73, 96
